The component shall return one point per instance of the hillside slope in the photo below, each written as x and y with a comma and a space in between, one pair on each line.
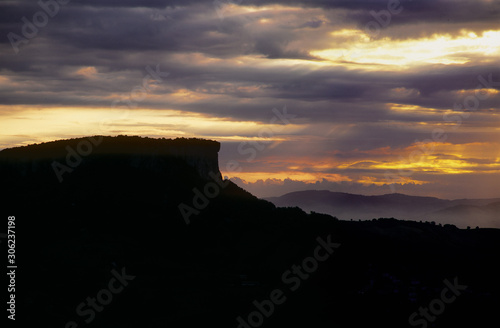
118, 213
359, 207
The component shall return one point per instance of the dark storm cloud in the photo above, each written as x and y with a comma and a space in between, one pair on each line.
120, 38
334, 94
238, 62
422, 10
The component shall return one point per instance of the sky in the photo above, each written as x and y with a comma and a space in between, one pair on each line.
368, 97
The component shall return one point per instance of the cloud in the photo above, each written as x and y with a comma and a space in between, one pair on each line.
358, 97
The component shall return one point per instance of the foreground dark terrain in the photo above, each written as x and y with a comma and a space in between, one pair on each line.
101, 242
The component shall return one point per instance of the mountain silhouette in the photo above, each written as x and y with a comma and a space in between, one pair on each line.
469, 215
460, 212
237, 261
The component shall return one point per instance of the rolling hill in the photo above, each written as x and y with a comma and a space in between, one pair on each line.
116, 214
460, 212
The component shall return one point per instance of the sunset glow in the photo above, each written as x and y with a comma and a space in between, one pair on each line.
301, 95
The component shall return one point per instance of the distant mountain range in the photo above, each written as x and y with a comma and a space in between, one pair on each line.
102, 241
459, 212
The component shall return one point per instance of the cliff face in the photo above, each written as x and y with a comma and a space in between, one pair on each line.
67, 156
201, 155
116, 214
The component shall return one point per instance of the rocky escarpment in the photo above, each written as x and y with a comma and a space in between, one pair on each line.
116, 213
66, 156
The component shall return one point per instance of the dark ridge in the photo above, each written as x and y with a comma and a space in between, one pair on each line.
471, 212
119, 210
62, 155
121, 144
